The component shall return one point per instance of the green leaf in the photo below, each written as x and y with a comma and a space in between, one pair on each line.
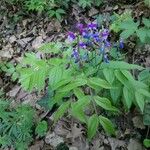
120, 65
41, 128
104, 103
144, 92
144, 75
55, 75
116, 93
51, 47
78, 93
100, 83
130, 78
107, 125
61, 110
146, 117
129, 25
127, 33
93, 123
146, 143
85, 3
123, 79
142, 34
127, 74
33, 72
146, 21
47, 101
77, 108
109, 75
58, 16
78, 113
60, 11
74, 84
140, 101
128, 97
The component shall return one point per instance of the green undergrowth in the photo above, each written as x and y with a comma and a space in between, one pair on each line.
17, 125
104, 88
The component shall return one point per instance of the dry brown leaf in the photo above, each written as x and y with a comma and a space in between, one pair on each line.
138, 122
53, 139
134, 145
75, 132
37, 42
14, 91
92, 12
115, 143
38, 145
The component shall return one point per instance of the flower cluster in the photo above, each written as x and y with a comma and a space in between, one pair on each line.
90, 38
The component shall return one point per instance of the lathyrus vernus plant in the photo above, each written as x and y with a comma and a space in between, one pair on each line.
82, 76
15, 126
128, 27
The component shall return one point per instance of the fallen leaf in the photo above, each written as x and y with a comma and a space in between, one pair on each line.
75, 132
14, 91
134, 145
115, 143
138, 122
53, 139
38, 145
23, 42
93, 12
12, 39
37, 42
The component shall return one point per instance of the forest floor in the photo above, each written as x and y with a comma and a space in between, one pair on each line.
27, 35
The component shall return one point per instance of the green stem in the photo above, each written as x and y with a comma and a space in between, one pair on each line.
93, 103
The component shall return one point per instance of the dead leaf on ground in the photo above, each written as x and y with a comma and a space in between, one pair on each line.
61, 129
14, 91
75, 132
134, 145
37, 42
138, 122
53, 139
23, 42
115, 143
38, 145
7, 51
93, 12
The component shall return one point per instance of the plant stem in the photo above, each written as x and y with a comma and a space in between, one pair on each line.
147, 132
93, 103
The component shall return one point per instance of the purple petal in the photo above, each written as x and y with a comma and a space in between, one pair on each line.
107, 43
71, 36
121, 44
82, 45
75, 54
105, 34
92, 26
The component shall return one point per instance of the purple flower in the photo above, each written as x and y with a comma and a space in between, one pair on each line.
105, 34
121, 44
80, 27
71, 36
89, 43
105, 58
75, 54
107, 43
82, 45
86, 35
95, 36
92, 26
